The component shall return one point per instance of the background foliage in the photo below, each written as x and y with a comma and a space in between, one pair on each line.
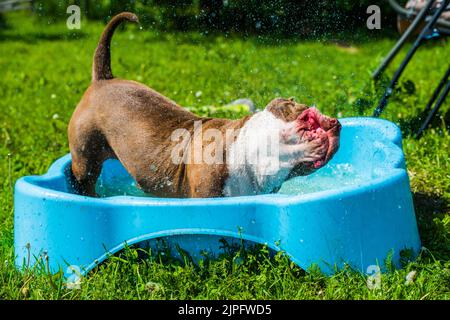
286, 17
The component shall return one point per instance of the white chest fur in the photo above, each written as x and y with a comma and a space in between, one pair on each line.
255, 160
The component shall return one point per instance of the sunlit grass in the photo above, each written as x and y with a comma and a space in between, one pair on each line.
44, 70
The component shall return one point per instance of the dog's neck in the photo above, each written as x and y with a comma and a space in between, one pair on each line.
255, 162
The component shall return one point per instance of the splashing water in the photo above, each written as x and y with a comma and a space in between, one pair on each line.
119, 186
332, 176
328, 178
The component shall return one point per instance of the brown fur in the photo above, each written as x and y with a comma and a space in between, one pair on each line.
126, 120
286, 109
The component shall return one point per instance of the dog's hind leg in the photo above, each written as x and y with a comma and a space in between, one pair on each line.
85, 173
88, 151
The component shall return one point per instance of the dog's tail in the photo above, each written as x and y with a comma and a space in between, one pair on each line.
101, 67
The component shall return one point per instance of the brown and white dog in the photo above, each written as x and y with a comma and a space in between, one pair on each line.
171, 152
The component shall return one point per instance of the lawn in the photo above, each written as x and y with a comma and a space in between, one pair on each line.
45, 68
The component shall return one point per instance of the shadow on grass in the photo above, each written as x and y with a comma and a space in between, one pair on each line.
193, 36
430, 210
430, 205
410, 126
204, 37
35, 37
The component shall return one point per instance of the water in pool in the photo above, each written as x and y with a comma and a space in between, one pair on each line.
332, 176
328, 178
119, 186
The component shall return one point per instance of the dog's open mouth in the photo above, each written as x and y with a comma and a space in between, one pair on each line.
314, 125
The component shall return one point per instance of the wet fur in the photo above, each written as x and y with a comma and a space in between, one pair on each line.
128, 121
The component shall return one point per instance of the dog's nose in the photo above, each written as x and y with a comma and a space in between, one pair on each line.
336, 123
330, 124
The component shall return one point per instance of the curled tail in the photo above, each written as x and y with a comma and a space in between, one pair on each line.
101, 67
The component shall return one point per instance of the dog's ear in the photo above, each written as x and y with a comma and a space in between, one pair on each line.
286, 109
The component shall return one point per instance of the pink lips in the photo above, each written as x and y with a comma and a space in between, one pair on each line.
316, 125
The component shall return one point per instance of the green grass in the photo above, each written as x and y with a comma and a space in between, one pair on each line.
44, 69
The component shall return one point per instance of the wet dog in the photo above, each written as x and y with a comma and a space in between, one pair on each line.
171, 152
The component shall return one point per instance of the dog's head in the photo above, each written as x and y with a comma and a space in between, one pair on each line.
308, 139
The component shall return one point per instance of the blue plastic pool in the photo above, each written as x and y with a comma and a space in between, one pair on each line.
357, 210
